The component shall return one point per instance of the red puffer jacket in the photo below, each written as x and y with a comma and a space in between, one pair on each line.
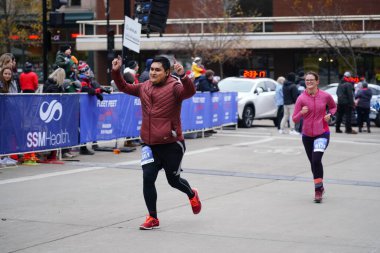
161, 107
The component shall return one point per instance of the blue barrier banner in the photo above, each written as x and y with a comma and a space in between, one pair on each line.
118, 115
32, 122
229, 104
216, 109
38, 122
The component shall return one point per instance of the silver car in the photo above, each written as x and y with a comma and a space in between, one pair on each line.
256, 98
375, 101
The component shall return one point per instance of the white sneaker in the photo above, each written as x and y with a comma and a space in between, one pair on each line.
281, 131
8, 161
67, 155
294, 132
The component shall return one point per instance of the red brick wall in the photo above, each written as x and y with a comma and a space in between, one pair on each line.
325, 7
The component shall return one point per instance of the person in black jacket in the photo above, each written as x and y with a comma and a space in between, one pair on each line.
206, 82
363, 105
345, 93
290, 92
54, 83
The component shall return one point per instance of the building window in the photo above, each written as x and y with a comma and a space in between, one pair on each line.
75, 2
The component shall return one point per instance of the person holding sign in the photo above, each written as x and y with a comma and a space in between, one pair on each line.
311, 106
161, 132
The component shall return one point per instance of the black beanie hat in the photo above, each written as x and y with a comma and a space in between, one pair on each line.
63, 48
132, 64
291, 77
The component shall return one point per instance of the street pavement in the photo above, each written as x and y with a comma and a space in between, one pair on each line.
255, 185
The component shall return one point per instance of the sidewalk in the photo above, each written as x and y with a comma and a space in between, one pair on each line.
255, 186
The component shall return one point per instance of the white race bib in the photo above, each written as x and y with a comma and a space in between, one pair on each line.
146, 155
320, 145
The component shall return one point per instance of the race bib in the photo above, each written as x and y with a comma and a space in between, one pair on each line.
320, 145
146, 155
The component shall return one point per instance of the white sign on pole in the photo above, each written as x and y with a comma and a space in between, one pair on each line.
132, 34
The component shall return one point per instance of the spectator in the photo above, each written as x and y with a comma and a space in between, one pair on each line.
63, 59
6, 83
300, 82
132, 67
345, 93
7, 86
15, 77
198, 69
92, 88
363, 105
290, 92
6, 61
145, 74
279, 99
206, 82
54, 83
28, 79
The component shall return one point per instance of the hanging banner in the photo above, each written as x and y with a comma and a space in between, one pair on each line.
38, 122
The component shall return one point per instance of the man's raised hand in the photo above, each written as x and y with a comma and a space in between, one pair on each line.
178, 68
116, 63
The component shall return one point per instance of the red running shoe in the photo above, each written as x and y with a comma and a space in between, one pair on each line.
150, 223
195, 202
319, 195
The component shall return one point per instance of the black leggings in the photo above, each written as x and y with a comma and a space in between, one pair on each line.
169, 157
315, 158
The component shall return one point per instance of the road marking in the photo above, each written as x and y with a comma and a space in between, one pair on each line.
47, 175
133, 162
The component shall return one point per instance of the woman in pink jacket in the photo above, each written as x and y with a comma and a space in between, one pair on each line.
311, 106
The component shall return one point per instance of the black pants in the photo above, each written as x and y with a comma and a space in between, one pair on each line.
315, 158
169, 157
344, 110
280, 115
363, 116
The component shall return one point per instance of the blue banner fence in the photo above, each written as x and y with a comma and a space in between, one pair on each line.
39, 122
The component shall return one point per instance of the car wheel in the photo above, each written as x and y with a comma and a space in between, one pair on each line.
377, 120
248, 115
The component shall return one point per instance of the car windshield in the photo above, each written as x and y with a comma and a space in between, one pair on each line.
235, 85
331, 90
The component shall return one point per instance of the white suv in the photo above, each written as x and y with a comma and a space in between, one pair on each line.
256, 98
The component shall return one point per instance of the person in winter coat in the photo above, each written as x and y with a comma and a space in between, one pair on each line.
145, 74
54, 83
345, 94
161, 131
6, 83
28, 79
290, 92
206, 82
6, 61
132, 68
198, 69
363, 106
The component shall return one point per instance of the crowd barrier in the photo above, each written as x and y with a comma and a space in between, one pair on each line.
39, 122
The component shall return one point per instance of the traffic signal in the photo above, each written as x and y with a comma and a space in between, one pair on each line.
56, 19
56, 4
152, 15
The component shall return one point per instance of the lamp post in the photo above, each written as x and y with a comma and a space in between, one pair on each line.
44, 41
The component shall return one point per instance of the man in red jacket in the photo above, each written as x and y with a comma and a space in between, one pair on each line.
161, 132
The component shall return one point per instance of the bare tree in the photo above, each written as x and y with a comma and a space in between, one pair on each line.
220, 41
20, 23
339, 36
